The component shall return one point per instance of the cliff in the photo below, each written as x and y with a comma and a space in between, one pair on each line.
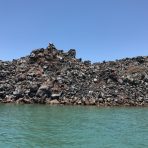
51, 76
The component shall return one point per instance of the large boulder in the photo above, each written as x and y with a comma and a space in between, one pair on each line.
71, 53
44, 91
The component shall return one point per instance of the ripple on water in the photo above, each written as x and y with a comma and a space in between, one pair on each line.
72, 127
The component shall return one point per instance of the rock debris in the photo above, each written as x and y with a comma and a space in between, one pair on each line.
52, 76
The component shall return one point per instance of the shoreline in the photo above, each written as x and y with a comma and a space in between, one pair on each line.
62, 103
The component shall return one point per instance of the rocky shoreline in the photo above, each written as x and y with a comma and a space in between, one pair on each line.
52, 76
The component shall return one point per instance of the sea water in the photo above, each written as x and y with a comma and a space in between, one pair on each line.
44, 126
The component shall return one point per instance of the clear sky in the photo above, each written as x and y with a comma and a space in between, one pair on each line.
98, 29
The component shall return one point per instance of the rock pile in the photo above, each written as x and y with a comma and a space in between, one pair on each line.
51, 76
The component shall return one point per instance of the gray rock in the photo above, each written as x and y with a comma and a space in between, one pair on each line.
56, 96
44, 91
72, 53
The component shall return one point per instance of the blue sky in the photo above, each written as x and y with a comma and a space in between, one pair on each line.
98, 29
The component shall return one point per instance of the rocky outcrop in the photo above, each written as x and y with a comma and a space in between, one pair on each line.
51, 76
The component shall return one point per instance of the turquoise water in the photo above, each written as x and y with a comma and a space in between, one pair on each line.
35, 126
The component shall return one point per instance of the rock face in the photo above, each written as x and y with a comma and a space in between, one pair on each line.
55, 77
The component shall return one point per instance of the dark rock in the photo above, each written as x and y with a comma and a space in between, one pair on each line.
87, 62
18, 92
2, 94
53, 76
72, 53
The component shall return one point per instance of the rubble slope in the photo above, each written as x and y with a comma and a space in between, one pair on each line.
52, 76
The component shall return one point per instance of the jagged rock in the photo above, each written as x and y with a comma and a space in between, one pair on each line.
2, 94
52, 75
18, 92
87, 62
72, 53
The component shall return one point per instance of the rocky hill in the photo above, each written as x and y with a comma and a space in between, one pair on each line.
51, 76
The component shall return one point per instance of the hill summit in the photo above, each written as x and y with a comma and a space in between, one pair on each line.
52, 76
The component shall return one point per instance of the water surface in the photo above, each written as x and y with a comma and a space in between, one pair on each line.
35, 126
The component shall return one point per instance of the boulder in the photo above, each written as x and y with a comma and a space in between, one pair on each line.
72, 53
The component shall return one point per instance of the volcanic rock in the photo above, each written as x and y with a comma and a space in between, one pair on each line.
52, 76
